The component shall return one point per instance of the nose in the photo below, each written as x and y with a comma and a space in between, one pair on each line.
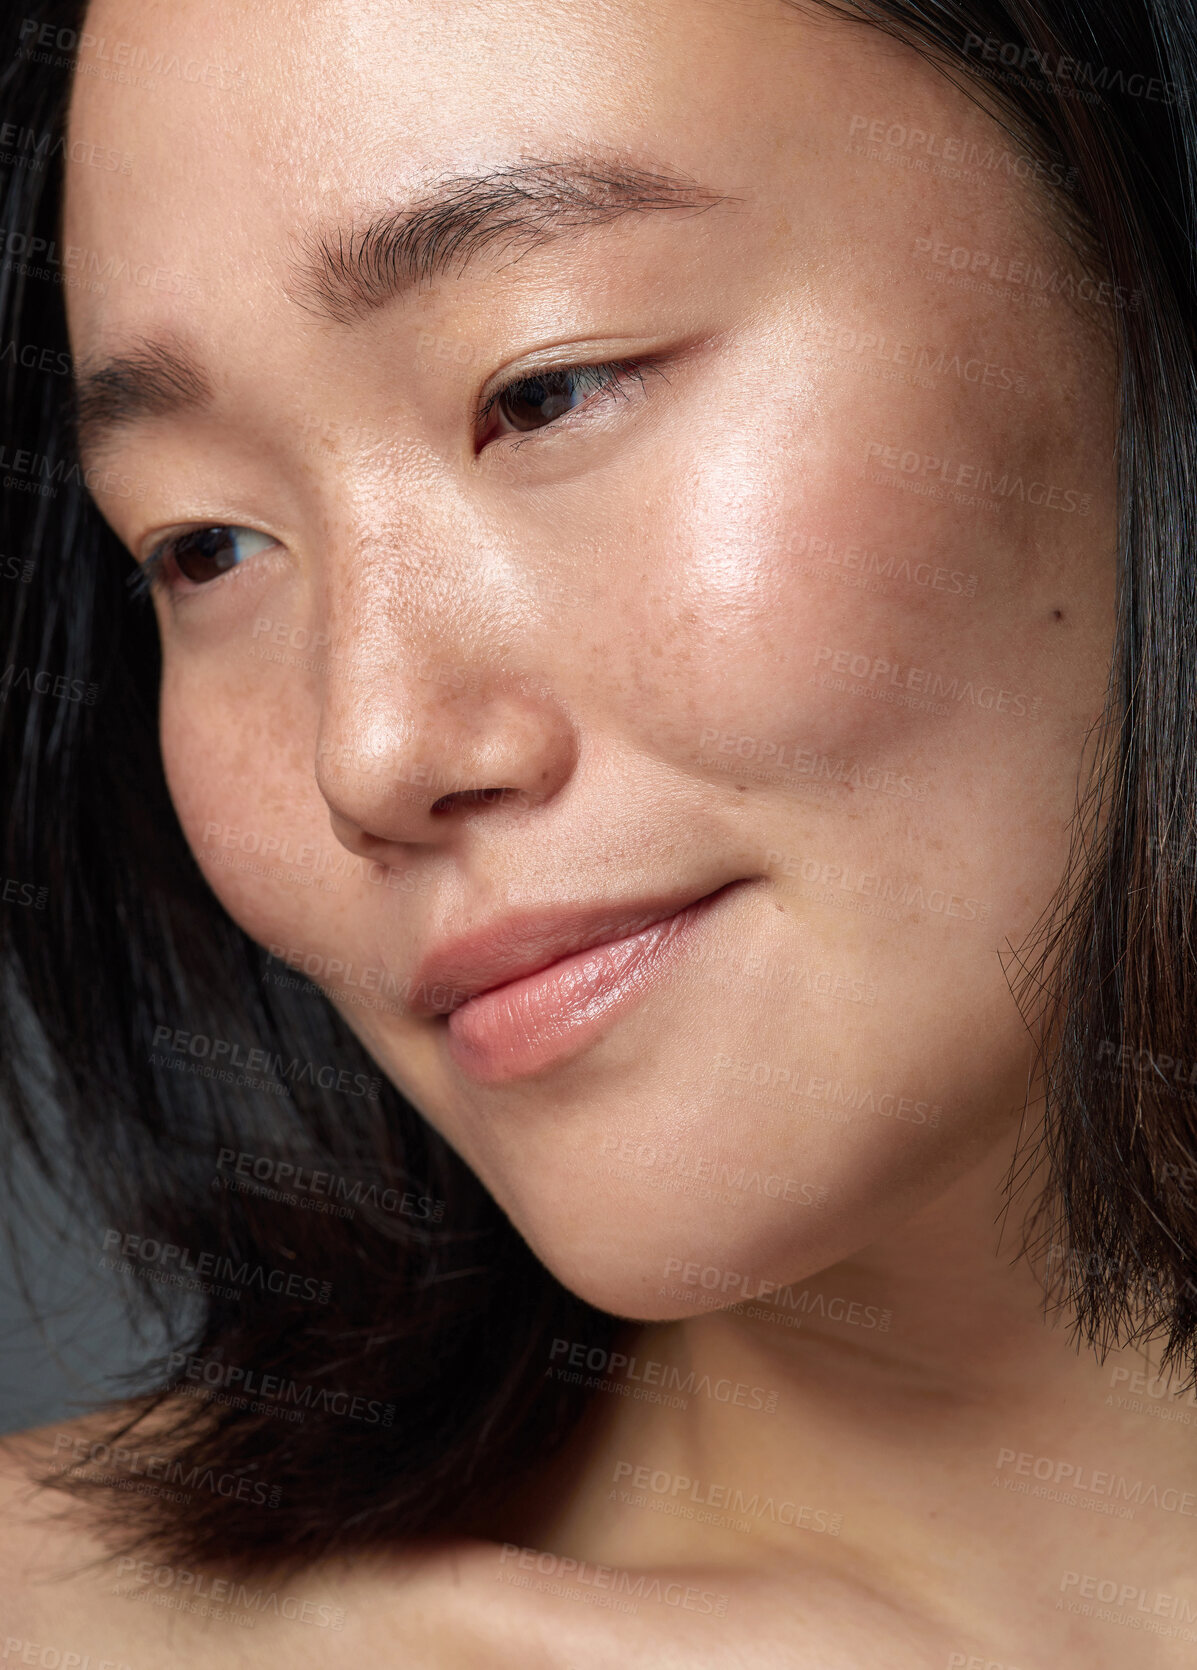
406, 754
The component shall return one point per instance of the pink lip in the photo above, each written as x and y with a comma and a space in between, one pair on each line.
564, 983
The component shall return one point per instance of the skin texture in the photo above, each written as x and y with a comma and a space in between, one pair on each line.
675, 516
644, 624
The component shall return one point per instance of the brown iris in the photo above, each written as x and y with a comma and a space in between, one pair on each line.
538, 400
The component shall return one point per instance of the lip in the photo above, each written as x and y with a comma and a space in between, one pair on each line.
526, 993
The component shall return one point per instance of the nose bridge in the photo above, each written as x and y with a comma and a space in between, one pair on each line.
433, 702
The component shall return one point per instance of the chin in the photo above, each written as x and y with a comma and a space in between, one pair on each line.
689, 1256
652, 1245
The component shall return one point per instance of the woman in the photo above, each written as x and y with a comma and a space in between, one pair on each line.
615, 954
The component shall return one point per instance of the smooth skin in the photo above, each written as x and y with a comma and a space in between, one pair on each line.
822, 604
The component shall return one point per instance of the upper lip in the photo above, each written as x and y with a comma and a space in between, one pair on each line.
511, 947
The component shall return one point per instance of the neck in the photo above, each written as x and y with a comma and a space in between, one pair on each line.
890, 1401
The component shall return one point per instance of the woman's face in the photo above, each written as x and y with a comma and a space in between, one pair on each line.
804, 602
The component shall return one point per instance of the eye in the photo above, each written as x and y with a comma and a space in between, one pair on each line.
200, 555
539, 398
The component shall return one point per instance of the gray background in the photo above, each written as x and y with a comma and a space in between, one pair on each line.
57, 1361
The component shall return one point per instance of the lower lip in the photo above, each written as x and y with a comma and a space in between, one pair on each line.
542, 1020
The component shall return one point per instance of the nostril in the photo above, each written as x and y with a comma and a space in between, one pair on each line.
469, 797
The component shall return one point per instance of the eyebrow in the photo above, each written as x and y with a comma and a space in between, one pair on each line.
156, 378
344, 274
525, 205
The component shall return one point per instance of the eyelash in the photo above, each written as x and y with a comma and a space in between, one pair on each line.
151, 575
606, 378
148, 576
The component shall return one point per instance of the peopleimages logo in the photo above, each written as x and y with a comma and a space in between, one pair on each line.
16, 892
872, 566
33, 148
907, 895
295, 1071
1141, 1384
18, 569
955, 472
790, 1309
679, 1487
75, 264
1017, 58
334, 863
1080, 1482
745, 1287
220, 1267
55, 362
146, 1465
120, 60
929, 359
338, 974
611, 1578
981, 268
598, 1361
959, 153
38, 682
47, 474
235, 1595
48, 1657
218, 1376
1129, 1596
1160, 1069
287, 1175
885, 676
805, 764
799, 1081
711, 1169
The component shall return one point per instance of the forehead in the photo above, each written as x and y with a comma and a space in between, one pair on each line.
246, 125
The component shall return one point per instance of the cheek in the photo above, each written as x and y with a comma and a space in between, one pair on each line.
858, 569
860, 647
239, 768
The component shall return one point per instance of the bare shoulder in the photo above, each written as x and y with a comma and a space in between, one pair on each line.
38, 1523
48, 1557
68, 1599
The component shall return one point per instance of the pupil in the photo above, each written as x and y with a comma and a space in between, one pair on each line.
205, 554
535, 401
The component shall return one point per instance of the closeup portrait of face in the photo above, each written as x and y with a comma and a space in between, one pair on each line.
744, 664
630, 499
